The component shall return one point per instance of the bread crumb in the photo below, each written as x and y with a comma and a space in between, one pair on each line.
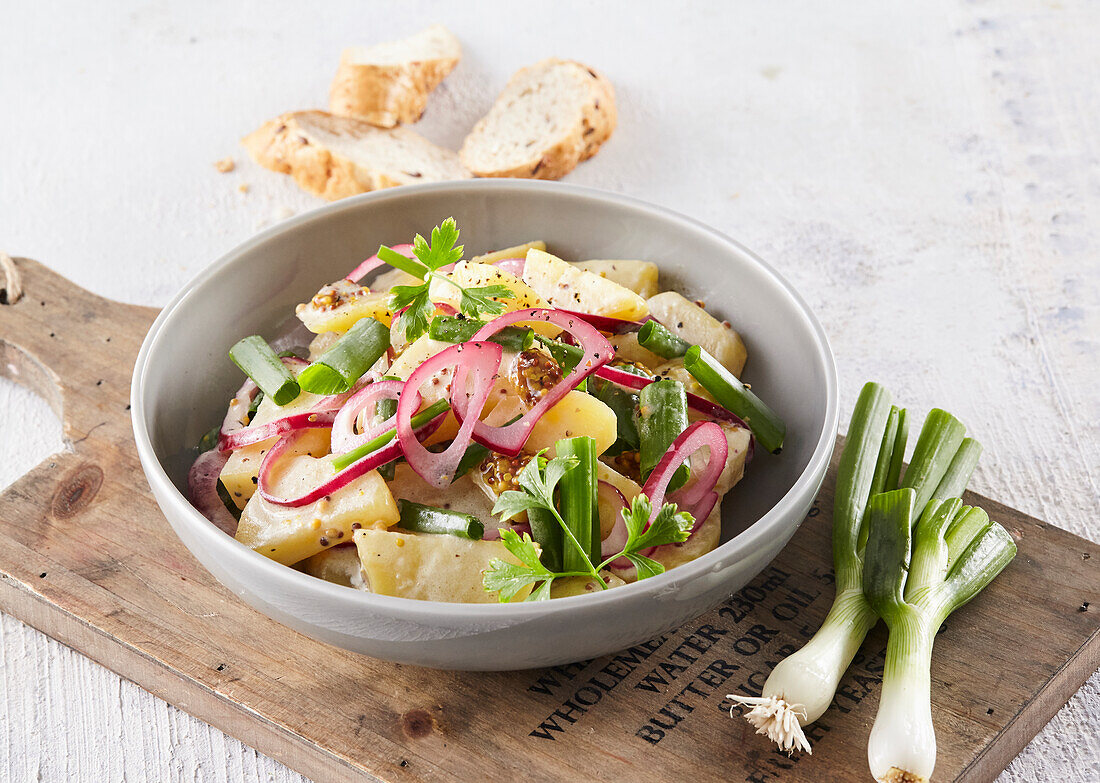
243, 187
225, 165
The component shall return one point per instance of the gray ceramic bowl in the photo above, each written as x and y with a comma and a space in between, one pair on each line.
254, 288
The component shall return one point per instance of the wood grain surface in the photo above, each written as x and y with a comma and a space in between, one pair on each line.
86, 557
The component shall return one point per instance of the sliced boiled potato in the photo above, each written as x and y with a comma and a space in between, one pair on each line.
519, 251
692, 323
289, 535
576, 413
568, 287
674, 370
421, 349
473, 275
430, 567
391, 277
241, 472
738, 439
339, 565
321, 343
639, 276
627, 349
336, 307
702, 541
582, 585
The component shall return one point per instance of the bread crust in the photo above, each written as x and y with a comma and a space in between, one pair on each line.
283, 145
597, 120
386, 95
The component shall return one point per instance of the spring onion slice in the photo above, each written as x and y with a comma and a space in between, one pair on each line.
260, 363
578, 502
915, 577
437, 408
802, 686
338, 368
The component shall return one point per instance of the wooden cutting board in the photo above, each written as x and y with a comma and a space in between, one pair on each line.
87, 558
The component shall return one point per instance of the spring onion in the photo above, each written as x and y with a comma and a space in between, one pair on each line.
453, 329
655, 338
428, 519
802, 686
733, 395
344, 363
578, 501
260, 363
914, 577
419, 420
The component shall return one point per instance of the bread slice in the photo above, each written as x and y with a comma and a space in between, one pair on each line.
334, 157
388, 83
549, 117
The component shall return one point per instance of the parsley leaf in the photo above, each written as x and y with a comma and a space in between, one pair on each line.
484, 300
511, 502
442, 250
509, 578
420, 308
670, 526
430, 257
644, 566
537, 482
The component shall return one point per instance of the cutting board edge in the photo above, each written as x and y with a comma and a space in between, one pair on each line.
185, 693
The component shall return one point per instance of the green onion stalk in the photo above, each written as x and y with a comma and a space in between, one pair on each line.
914, 578
802, 686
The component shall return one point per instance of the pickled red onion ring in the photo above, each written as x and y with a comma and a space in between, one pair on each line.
344, 437
202, 488
481, 359
698, 497
513, 266
616, 539
607, 323
510, 438
372, 263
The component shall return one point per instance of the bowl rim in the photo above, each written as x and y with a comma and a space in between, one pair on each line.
293, 580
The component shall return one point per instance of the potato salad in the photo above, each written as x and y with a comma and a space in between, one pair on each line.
507, 427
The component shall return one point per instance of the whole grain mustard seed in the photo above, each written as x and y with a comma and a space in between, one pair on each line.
534, 374
500, 471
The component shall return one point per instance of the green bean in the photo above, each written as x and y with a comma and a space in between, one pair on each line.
567, 356
428, 519
655, 338
734, 396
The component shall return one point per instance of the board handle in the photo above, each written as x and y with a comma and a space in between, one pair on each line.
74, 348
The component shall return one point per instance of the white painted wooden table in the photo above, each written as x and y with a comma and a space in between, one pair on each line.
926, 174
